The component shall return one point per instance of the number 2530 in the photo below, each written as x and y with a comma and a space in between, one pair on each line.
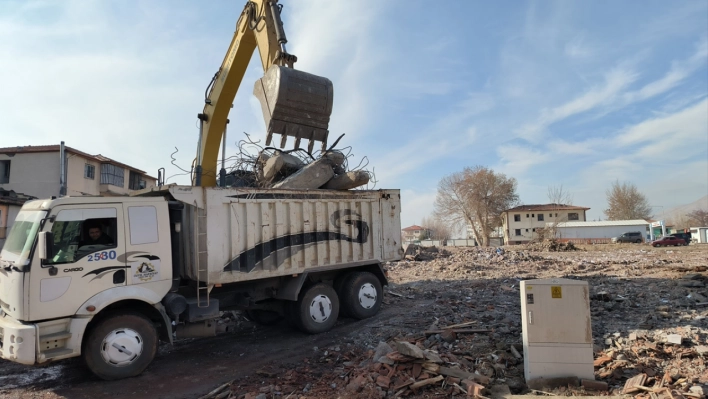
99, 256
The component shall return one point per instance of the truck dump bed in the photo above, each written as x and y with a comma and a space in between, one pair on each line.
240, 234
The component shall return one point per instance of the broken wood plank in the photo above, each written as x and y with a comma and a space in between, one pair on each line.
428, 381
602, 360
542, 392
469, 323
464, 375
405, 384
217, 390
394, 294
632, 385
399, 357
458, 331
432, 367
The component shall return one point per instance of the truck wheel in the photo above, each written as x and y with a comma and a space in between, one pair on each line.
316, 310
264, 317
362, 295
121, 345
638, 241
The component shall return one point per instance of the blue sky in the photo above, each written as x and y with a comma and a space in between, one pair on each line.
549, 92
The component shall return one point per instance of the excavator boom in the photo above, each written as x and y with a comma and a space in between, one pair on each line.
294, 103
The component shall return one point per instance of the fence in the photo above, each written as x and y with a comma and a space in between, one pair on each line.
452, 243
586, 240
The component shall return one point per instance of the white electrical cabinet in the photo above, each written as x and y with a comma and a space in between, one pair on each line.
557, 334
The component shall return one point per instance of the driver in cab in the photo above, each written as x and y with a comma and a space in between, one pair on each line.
96, 237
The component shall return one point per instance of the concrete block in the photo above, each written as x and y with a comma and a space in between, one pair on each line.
347, 180
312, 176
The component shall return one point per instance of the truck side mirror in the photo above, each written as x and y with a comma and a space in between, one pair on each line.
45, 245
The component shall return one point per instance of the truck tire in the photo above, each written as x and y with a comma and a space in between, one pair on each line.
316, 310
120, 345
264, 317
638, 241
361, 295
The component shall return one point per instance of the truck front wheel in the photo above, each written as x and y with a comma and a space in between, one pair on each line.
120, 345
361, 295
316, 310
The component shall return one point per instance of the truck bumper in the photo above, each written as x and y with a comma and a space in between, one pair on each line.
17, 341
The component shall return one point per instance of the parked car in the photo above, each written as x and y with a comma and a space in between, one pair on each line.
685, 236
630, 236
668, 240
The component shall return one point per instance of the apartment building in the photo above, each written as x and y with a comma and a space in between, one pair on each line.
521, 223
37, 171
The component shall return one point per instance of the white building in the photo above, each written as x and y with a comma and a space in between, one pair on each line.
599, 232
699, 234
521, 223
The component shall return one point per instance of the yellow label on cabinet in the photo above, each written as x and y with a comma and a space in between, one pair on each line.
556, 292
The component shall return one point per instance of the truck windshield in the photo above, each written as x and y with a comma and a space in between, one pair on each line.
19, 242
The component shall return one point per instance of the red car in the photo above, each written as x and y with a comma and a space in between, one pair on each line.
668, 240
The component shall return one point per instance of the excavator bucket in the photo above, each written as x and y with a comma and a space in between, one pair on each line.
295, 104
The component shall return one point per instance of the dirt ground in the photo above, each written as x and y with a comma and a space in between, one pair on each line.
639, 296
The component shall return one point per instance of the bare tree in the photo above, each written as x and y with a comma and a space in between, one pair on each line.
625, 202
557, 197
475, 197
560, 196
439, 230
697, 218
678, 220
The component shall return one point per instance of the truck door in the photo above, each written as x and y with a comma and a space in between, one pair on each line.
148, 252
89, 257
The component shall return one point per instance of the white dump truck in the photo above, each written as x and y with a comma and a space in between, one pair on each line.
107, 278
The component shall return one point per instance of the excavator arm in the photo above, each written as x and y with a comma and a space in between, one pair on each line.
294, 103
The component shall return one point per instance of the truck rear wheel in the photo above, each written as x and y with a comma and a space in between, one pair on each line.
121, 345
316, 310
361, 295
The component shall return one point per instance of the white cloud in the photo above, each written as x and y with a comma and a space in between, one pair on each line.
585, 147
79, 77
517, 160
576, 48
339, 40
685, 126
450, 133
616, 80
679, 71
663, 156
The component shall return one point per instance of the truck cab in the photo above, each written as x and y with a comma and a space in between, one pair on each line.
70, 262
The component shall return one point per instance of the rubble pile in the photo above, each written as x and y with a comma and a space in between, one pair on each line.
418, 253
551, 245
453, 329
668, 362
294, 169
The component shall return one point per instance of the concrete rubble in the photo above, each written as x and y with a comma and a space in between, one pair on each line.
294, 169
650, 330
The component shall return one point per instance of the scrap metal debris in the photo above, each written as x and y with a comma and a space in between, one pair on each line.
269, 167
